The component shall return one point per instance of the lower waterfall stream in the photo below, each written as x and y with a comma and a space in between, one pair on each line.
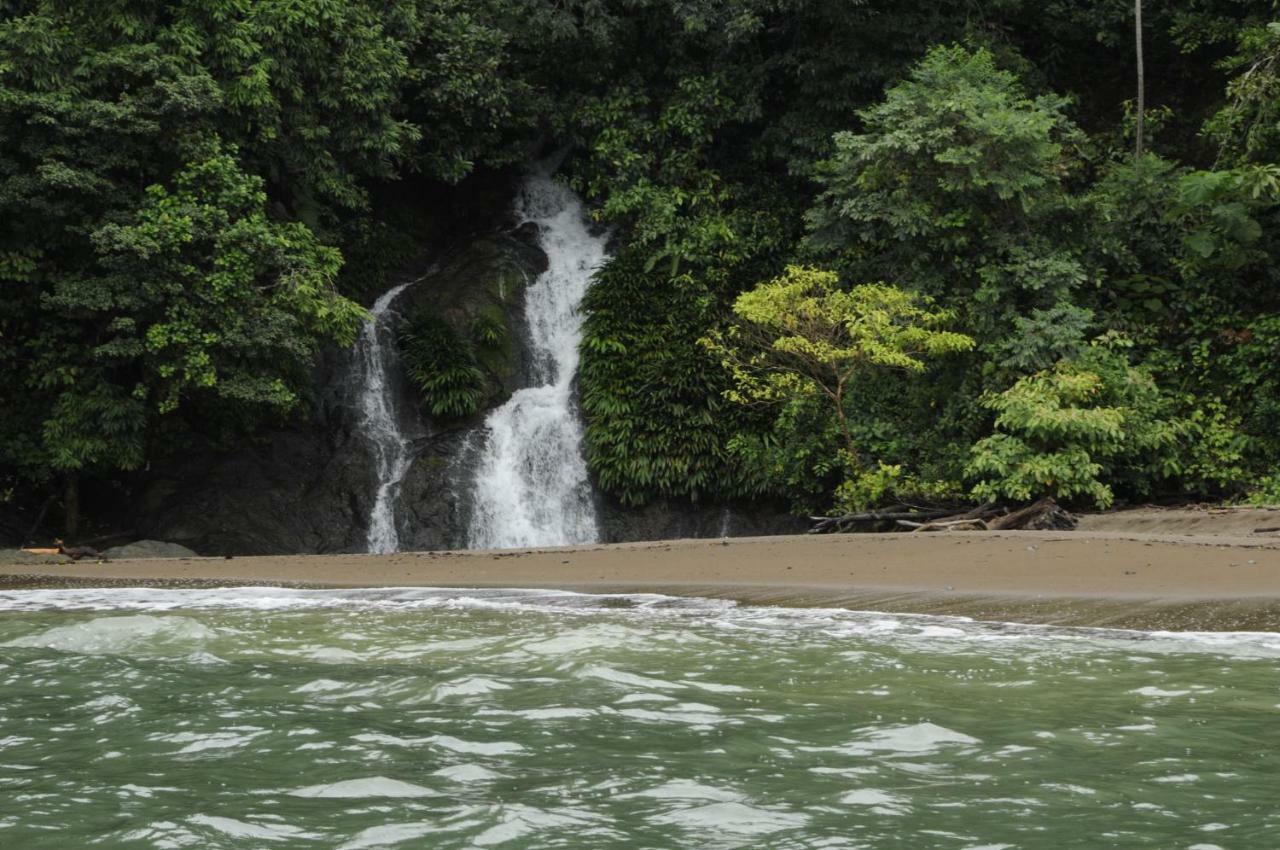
380, 421
531, 486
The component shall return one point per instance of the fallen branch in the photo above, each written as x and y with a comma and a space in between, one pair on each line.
839, 523
952, 525
1044, 515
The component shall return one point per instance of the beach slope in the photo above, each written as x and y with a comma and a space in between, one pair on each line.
1088, 577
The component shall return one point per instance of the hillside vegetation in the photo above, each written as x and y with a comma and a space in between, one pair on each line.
867, 251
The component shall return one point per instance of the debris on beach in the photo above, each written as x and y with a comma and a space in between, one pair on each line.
1043, 515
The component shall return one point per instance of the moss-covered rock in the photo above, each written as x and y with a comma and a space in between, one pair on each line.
478, 292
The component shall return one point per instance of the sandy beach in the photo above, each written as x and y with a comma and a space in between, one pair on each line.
1222, 577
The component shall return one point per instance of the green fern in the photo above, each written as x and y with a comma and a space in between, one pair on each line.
442, 365
488, 330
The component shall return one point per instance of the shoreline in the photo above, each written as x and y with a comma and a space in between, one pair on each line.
1114, 579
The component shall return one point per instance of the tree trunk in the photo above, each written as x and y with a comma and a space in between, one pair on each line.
71, 507
35, 526
1142, 79
844, 429
837, 397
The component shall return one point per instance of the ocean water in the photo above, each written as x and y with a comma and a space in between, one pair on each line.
268, 718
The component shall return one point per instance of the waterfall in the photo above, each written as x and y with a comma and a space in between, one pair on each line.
726, 522
531, 486
375, 359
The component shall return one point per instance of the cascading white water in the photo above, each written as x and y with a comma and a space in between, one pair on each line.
380, 421
531, 486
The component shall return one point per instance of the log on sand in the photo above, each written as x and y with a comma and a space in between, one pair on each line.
1044, 515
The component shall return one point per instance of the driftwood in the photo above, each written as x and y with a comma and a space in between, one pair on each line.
945, 525
824, 525
1044, 515
75, 553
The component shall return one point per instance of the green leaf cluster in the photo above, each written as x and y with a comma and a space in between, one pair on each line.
442, 365
1070, 430
658, 425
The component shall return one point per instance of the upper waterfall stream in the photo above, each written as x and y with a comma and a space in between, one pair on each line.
375, 355
531, 486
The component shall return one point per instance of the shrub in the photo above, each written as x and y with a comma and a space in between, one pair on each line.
442, 365
1074, 430
488, 330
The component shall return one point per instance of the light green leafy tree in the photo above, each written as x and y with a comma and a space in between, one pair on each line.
802, 336
1071, 430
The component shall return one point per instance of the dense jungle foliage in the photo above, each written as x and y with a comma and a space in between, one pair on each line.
181, 184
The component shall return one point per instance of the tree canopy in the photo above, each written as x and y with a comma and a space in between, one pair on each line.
195, 196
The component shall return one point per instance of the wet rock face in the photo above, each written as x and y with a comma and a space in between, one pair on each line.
302, 490
673, 520
484, 282
431, 511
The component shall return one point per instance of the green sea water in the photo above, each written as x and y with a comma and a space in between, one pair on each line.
266, 718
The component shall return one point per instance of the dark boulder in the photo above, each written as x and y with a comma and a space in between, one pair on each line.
484, 282
140, 549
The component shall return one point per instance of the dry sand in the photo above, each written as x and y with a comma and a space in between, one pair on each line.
1221, 578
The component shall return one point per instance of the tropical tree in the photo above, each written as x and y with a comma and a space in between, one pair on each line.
956, 188
198, 298
801, 335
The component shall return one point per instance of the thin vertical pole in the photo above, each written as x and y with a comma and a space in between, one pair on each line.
1142, 83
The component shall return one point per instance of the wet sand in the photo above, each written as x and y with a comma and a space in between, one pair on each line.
1088, 578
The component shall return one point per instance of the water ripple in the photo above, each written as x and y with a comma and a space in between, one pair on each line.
524, 719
